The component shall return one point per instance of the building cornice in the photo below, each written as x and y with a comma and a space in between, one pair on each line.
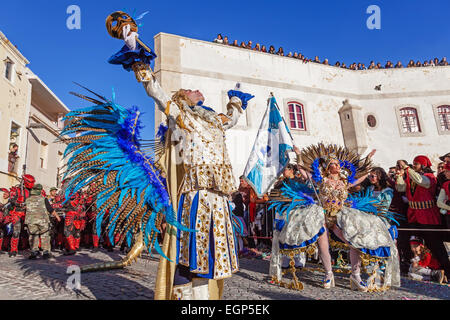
13, 49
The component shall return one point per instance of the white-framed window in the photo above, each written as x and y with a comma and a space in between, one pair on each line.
9, 69
43, 157
409, 120
297, 119
443, 115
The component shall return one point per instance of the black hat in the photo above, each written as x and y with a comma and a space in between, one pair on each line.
445, 155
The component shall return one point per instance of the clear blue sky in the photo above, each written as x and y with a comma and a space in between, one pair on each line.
410, 29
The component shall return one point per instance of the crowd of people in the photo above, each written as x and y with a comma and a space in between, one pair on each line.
419, 196
354, 66
31, 218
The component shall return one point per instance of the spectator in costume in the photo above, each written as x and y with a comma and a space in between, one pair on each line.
423, 213
443, 201
441, 178
423, 265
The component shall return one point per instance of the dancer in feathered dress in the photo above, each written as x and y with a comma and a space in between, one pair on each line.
361, 221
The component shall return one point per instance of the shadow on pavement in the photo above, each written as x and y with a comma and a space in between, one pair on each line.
429, 289
105, 285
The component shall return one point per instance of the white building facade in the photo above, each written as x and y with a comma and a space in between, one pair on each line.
30, 117
400, 112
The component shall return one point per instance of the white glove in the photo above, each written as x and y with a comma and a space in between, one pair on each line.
129, 37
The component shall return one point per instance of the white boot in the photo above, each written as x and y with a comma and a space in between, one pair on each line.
200, 289
182, 292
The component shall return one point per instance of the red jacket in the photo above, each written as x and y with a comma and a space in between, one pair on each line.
446, 187
429, 216
428, 261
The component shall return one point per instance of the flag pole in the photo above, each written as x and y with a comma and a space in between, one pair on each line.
282, 117
293, 143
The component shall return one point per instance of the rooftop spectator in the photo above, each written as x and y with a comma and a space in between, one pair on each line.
388, 65
219, 39
418, 63
436, 61
326, 62
337, 64
243, 45
263, 48
257, 47
316, 59
280, 51
249, 44
235, 43
225, 40
289, 54
431, 63
295, 55
272, 49
364, 67
411, 64
359, 67
443, 62
379, 66
426, 64
399, 65
344, 65
372, 65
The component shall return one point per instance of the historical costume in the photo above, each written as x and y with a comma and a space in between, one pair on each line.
134, 193
38, 223
423, 212
420, 190
360, 221
443, 201
16, 215
4, 209
74, 223
423, 265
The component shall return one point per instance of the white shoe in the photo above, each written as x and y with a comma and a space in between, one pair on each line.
358, 284
200, 289
328, 283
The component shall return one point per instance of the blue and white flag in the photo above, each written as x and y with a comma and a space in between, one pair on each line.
269, 155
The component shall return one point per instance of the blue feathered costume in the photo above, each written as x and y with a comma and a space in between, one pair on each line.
304, 214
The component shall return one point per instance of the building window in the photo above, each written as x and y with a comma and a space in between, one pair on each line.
443, 113
43, 155
409, 120
297, 118
9, 70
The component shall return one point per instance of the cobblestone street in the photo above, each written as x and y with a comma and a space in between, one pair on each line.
21, 278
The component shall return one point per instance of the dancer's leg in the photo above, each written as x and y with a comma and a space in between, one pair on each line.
324, 252
355, 257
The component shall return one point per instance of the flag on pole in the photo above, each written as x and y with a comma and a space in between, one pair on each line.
269, 155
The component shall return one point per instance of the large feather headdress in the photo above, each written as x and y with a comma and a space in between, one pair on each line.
317, 158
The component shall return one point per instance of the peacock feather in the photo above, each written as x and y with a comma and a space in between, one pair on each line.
365, 201
105, 153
